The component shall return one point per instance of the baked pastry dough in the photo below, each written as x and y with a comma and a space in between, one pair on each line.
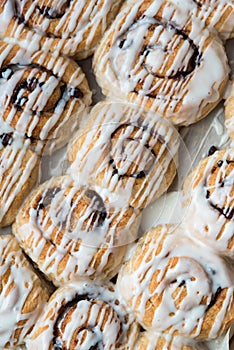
125, 151
43, 96
19, 172
176, 285
71, 28
22, 294
84, 316
163, 341
209, 201
229, 113
156, 55
218, 14
72, 232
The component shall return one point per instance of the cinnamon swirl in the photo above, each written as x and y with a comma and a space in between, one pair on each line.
129, 153
71, 232
209, 197
156, 55
22, 295
84, 316
176, 285
43, 95
70, 27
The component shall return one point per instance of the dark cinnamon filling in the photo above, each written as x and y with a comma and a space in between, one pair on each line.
6, 139
47, 198
226, 209
98, 214
120, 159
53, 13
26, 86
186, 69
58, 343
214, 298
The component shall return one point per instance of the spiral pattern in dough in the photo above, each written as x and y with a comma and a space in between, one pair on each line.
155, 55
72, 232
171, 286
84, 316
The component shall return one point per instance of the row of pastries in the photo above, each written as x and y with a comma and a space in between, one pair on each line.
76, 275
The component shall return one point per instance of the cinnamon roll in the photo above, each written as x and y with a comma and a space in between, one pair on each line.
19, 172
163, 341
43, 96
175, 285
22, 294
209, 200
84, 316
229, 113
129, 153
70, 27
156, 54
72, 232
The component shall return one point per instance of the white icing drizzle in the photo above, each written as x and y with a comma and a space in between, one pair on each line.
38, 96
17, 164
211, 219
77, 233
159, 64
91, 315
163, 341
170, 282
130, 142
69, 27
17, 281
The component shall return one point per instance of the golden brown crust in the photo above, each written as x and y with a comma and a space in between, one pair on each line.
229, 113
20, 174
85, 315
160, 341
150, 71
80, 234
44, 96
169, 279
208, 200
133, 154
23, 295
73, 29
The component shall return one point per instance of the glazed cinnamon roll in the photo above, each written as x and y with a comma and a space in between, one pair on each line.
229, 113
71, 232
19, 173
125, 151
22, 295
70, 27
84, 316
209, 198
43, 96
163, 341
155, 54
175, 285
